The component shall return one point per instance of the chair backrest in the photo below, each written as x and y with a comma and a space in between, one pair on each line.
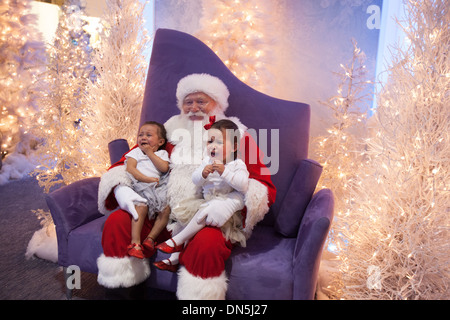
176, 54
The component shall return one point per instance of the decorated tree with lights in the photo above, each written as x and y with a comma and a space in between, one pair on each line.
398, 222
114, 101
341, 150
22, 58
59, 121
236, 30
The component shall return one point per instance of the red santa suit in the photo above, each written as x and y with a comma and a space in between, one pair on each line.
202, 272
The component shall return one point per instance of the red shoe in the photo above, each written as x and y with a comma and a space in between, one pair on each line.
168, 249
164, 266
149, 247
132, 251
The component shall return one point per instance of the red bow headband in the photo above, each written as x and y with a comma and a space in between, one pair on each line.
208, 126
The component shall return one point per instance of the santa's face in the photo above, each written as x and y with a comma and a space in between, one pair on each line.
187, 133
197, 106
218, 147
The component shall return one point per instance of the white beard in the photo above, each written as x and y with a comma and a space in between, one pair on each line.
189, 138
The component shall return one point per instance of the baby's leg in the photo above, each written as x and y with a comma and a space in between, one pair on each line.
160, 223
136, 225
169, 264
189, 231
173, 258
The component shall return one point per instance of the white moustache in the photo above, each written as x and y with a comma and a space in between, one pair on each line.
198, 114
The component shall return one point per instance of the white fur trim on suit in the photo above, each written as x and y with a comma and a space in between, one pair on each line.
212, 86
121, 272
191, 287
108, 181
257, 203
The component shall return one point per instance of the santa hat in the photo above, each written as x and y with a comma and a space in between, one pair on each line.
212, 86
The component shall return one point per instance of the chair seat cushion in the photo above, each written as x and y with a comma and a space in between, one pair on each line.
85, 245
263, 269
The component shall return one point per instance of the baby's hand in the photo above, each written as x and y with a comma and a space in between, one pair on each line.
151, 180
218, 166
147, 149
207, 170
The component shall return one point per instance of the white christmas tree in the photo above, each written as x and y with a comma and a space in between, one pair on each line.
341, 151
59, 121
22, 58
114, 101
398, 223
236, 30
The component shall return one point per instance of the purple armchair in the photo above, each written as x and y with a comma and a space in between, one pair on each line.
282, 257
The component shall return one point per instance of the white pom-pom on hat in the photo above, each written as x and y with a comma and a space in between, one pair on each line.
206, 83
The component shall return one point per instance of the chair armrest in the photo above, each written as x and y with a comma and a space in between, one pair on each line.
310, 241
298, 197
72, 206
117, 148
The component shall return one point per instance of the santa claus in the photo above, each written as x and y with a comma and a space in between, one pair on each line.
202, 261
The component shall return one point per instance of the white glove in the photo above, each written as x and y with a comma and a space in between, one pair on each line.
127, 198
217, 212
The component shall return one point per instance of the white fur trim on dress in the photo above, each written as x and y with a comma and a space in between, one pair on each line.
121, 272
191, 287
212, 86
108, 181
257, 203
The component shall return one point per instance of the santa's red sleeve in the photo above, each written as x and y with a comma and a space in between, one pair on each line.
261, 192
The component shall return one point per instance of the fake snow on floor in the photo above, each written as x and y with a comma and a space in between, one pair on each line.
43, 244
15, 166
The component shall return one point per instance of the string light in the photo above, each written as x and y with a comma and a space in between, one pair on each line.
58, 123
114, 100
398, 195
235, 31
22, 59
341, 151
